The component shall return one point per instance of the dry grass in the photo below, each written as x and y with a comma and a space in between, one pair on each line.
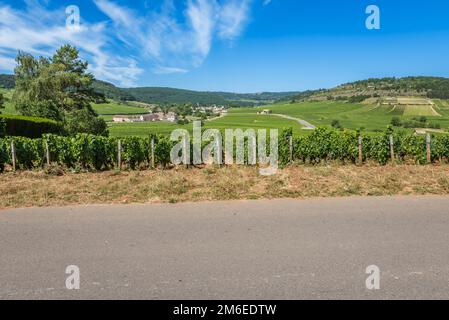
25, 189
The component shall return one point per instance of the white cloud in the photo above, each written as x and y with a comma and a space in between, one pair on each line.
167, 70
178, 42
171, 39
233, 17
39, 31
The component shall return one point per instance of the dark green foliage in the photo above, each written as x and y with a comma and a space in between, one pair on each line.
135, 151
416, 122
169, 95
396, 122
59, 88
284, 146
162, 150
85, 151
325, 145
110, 91
2, 101
358, 98
433, 87
31, 127
2, 127
336, 124
91, 152
7, 81
84, 121
4, 154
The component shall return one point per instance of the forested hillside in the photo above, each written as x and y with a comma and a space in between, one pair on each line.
430, 87
159, 95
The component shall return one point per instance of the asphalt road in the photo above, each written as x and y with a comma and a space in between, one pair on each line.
286, 249
305, 125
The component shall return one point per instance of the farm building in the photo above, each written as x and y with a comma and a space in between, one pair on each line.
151, 117
171, 117
120, 118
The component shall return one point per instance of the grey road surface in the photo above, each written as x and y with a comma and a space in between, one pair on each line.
305, 125
282, 249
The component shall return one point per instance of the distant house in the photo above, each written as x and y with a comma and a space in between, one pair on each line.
171, 117
150, 117
120, 118
140, 118
265, 112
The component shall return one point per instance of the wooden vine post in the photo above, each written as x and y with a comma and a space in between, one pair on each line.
290, 145
152, 154
428, 143
47, 153
254, 155
360, 150
13, 156
119, 155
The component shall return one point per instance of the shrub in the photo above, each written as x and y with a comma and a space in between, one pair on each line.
396, 122
30, 127
336, 124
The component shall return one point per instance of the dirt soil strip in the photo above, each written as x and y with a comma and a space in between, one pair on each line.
33, 188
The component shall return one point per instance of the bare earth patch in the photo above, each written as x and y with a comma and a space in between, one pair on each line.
35, 188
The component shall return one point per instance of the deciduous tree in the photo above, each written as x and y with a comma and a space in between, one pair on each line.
58, 88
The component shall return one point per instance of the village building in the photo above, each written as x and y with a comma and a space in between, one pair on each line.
150, 117
171, 117
122, 118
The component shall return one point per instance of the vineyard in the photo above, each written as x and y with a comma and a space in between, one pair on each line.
88, 152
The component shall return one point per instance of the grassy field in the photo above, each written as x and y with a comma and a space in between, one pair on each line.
371, 117
231, 121
108, 110
211, 183
9, 108
355, 116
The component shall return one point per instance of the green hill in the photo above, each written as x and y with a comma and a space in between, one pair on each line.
112, 92
429, 87
160, 95
170, 95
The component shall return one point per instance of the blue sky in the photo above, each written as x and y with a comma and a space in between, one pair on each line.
234, 45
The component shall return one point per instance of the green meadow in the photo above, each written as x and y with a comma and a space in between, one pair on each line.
108, 110
9, 107
231, 121
354, 116
351, 116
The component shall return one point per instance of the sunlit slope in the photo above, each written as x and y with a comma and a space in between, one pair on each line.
8, 106
372, 117
231, 121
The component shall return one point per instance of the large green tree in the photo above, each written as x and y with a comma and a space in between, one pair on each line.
58, 88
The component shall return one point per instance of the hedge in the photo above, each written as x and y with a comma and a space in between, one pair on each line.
322, 145
30, 127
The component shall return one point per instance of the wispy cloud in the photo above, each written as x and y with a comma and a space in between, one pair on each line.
40, 31
173, 38
178, 42
266, 2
